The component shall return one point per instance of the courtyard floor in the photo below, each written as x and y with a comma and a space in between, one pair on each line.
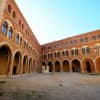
51, 86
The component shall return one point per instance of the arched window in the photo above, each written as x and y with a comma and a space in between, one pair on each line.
10, 32
88, 50
76, 52
66, 52
63, 53
83, 51
13, 15
17, 38
5, 27
9, 8
97, 49
20, 40
19, 22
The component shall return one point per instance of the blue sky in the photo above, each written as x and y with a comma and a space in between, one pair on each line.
52, 20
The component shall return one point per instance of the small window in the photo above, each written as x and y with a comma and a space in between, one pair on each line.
14, 15
94, 37
98, 36
81, 40
19, 22
83, 51
88, 50
9, 8
10, 32
63, 53
72, 52
17, 38
66, 52
20, 40
75, 42
71, 42
86, 39
22, 26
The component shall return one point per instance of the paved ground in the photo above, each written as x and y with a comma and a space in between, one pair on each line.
53, 86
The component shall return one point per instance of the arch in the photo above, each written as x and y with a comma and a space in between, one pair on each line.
66, 66
57, 66
10, 32
76, 66
44, 64
30, 65
5, 27
98, 64
17, 63
88, 65
5, 59
25, 64
50, 66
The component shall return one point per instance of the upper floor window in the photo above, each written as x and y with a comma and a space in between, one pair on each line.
75, 42
74, 52
86, 39
94, 37
5, 27
10, 32
22, 26
81, 40
98, 36
97, 49
63, 53
9, 8
20, 40
86, 50
71, 42
19, 22
17, 38
13, 15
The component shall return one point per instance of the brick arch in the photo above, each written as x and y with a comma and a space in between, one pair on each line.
66, 66
25, 64
97, 61
17, 62
50, 64
88, 65
57, 66
6, 56
30, 65
76, 65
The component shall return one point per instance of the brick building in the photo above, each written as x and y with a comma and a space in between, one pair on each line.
75, 54
21, 53
19, 48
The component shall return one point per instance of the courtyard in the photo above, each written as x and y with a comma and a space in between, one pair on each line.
50, 86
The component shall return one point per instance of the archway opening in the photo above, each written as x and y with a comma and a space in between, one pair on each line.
66, 66
25, 64
5, 57
50, 67
76, 67
30, 65
88, 66
57, 67
98, 64
17, 63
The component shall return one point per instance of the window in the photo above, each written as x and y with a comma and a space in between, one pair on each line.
17, 38
98, 36
22, 26
19, 22
63, 53
9, 8
75, 42
87, 50
94, 37
10, 32
86, 39
72, 52
97, 49
20, 40
13, 15
71, 42
76, 52
5, 27
66, 52
83, 51
81, 40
